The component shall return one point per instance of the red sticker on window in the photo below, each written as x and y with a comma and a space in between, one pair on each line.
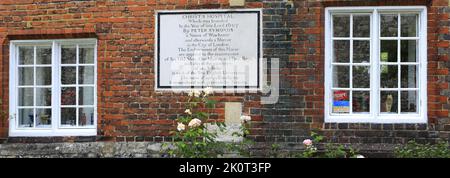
340, 96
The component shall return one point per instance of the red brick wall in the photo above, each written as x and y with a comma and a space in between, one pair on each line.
130, 110
438, 64
128, 107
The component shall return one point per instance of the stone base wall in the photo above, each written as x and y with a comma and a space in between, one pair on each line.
81, 150
152, 150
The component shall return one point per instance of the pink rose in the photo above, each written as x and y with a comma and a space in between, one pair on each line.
195, 123
307, 142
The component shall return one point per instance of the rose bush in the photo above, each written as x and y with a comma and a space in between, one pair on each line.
193, 139
330, 150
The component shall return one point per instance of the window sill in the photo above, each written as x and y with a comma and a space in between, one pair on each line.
53, 133
379, 119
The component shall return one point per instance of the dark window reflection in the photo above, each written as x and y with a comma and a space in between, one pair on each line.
389, 102
388, 51
361, 101
341, 25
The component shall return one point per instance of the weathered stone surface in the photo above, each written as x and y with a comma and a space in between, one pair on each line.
75, 150
233, 112
152, 150
228, 134
237, 3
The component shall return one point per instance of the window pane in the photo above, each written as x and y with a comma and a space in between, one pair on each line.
341, 103
361, 26
43, 55
86, 75
361, 51
68, 96
43, 76
361, 77
68, 55
68, 116
86, 54
409, 102
26, 96
408, 50
341, 76
86, 96
341, 25
86, 116
388, 103
389, 25
43, 117
68, 75
43, 97
408, 76
389, 76
409, 25
26, 76
26, 55
361, 101
26, 118
388, 51
341, 51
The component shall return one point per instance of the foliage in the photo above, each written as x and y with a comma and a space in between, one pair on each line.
274, 150
339, 151
415, 150
311, 150
330, 151
193, 139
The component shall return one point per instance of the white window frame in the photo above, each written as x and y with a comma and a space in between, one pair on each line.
56, 129
374, 116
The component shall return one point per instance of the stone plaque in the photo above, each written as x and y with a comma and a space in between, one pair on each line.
208, 48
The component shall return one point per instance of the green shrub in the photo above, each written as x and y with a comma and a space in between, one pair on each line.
416, 150
330, 151
275, 150
192, 139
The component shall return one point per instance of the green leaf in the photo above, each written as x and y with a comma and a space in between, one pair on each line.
202, 115
210, 103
